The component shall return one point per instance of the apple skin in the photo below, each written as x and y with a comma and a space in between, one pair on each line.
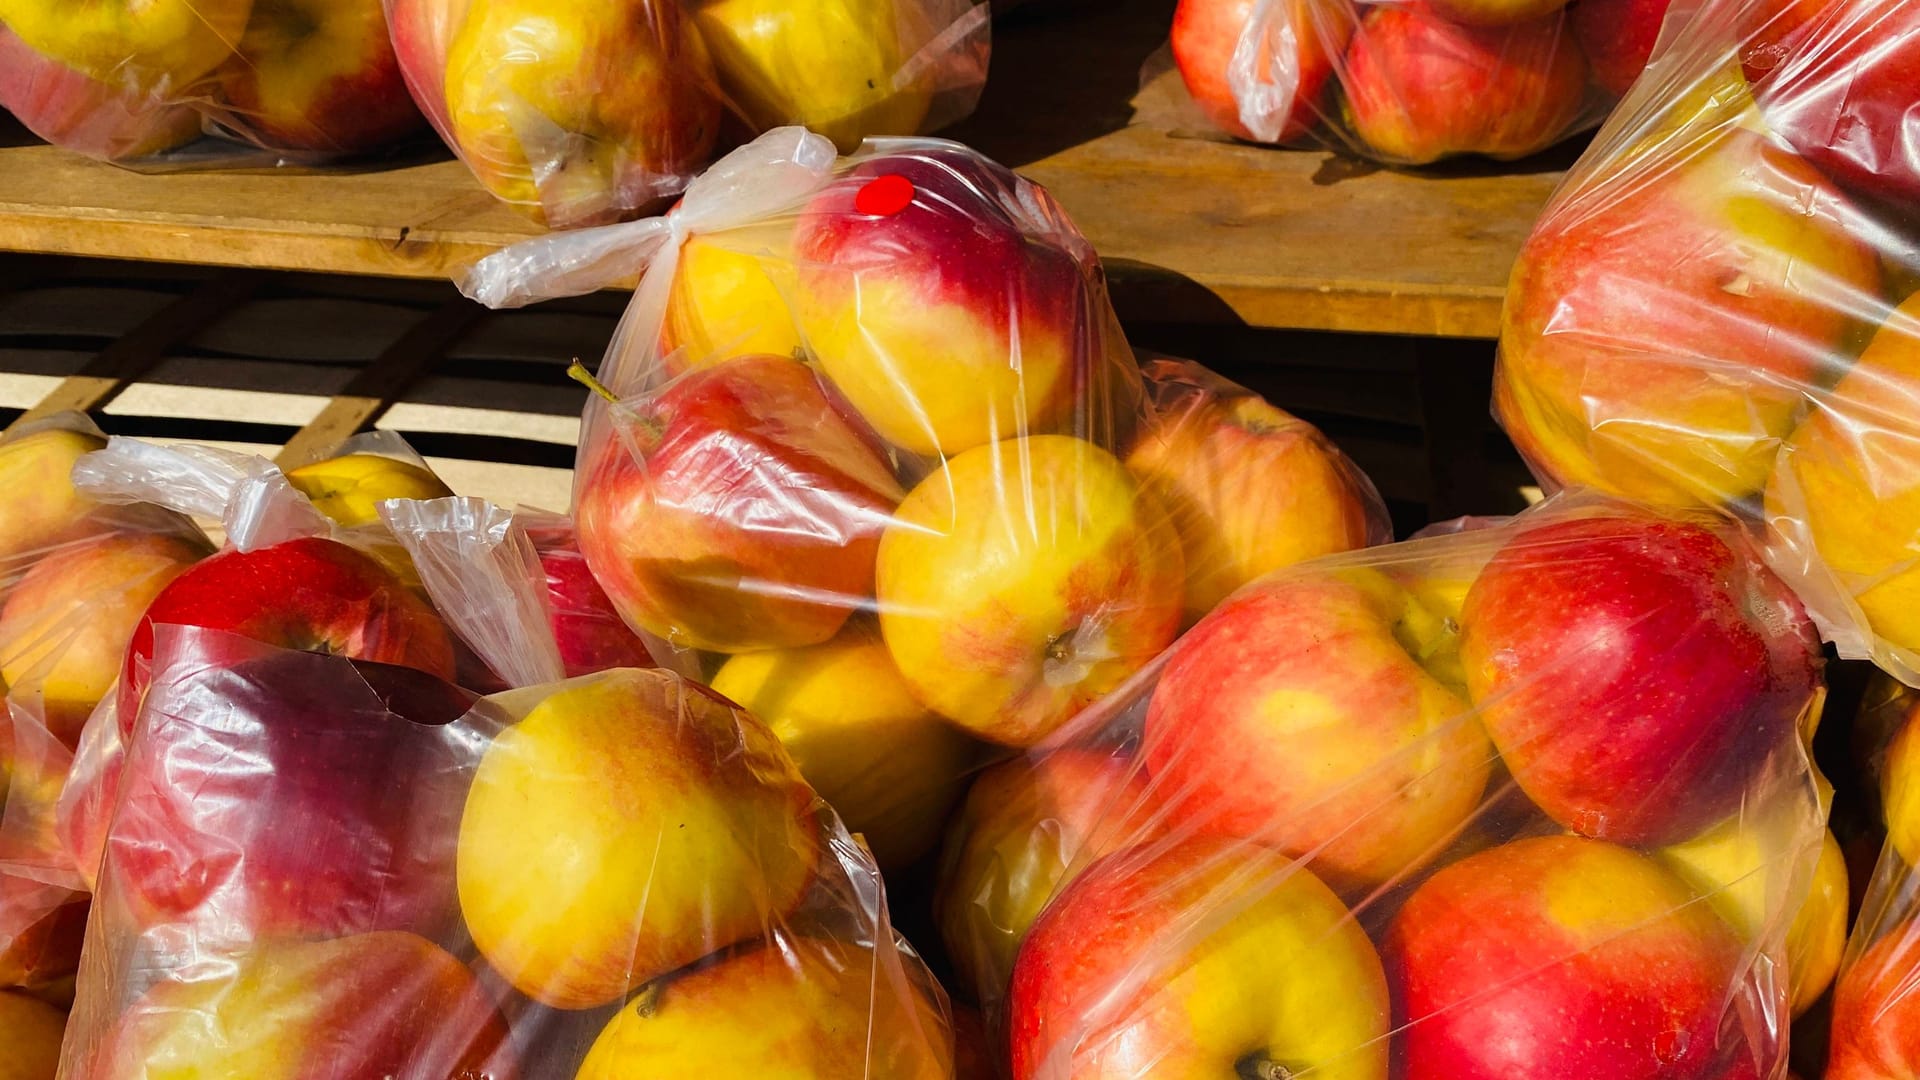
1206, 32
1661, 328
149, 50
1876, 1014
736, 509
350, 488
729, 299
1636, 672
1900, 789
1558, 957
804, 1007
311, 593
422, 31
31, 1030
65, 625
1308, 712
318, 76
1027, 827
951, 316
380, 1006
1618, 37
1496, 12
72, 110
586, 626
1022, 581
43, 507
357, 771
621, 793
1289, 978
1420, 87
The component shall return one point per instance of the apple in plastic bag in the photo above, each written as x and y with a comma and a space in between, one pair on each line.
586, 626
1022, 581
1496, 12
350, 488
41, 929
1420, 87
729, 299
1636, 672
73, 110
1876, 1011
1618, 37
157, 49
1206, 33
1026, 827
1210, 959
43, 508
946, 307
630, 823
382, 1006
31, 1030
1319, 711
736, 509
319, 76
802, 1007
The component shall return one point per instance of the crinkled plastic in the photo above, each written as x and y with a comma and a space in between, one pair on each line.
1528, 801
1717, 307
207, 83
596, 114
1409, 82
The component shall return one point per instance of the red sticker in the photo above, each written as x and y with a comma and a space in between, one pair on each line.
884, 196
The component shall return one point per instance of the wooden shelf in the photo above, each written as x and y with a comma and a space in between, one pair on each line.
1193, 229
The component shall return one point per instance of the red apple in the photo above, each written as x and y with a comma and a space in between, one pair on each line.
946, 300
1496, 12
1618, 36
736, 509
422, 31
312, 593
1876, 1011
318, 75
278, 792
1207, 32
591, 635
1636, 672
1561, 957
1420, 87
70, 109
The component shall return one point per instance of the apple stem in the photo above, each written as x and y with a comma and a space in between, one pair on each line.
646, 1000
578, 372
1260, 1068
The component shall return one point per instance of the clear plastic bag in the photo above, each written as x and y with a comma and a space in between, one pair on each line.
207, 83
1529, 800
1716, 308
596, 114
1409, 82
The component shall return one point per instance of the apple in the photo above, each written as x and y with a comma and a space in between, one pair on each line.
350, 488
1636, 672
1206, 33
65, 625
1420, 87
831, 66
1309, 712
1496, 12
31, 1030
1844, 494
586, 626
318, 75
1250, 487
75, 111
1662, 325
41, 927
1900, 789
1772, 31
942, 300
729, 299
1022, 581
43, 507
349, 777
1210, 959
628, 824
736, 509
582, 116
154, 49
1618, 37
367, 1007
422, 32
886, 764
1876, 1014
1557, 957
804, 1007
1028, 826
310, 593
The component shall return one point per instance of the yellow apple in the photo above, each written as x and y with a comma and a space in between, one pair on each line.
157, 47
887, 764
350, 488
1900, 790
30, 1031
727, 300
36, 481
827, 65
1022, 581
630, 823
806, 1008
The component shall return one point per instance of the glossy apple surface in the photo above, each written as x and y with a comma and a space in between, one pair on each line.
1207, 32
318, 75
1876, 1013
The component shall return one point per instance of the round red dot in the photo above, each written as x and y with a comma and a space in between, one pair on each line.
884, 196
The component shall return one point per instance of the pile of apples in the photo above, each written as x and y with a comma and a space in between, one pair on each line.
1410, 82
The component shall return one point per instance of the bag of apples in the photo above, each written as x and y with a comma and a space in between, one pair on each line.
1409, 82
207, 83
881, 467
1718, 308
1527, 801
595, 114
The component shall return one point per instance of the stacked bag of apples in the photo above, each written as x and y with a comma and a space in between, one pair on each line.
1409, 82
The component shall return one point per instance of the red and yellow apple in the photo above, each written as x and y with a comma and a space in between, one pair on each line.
736, 509
41, 929
317, 75
881, 759
43, 506
1212, 959
1023, 580
1662, 325
628, 824
1876, 1011
31, 1030
1309, 712
729, 299
422, 32
941, 305
1618, 37
1420, 87
586, 626
1637, 673
74, 110
1206, 34
1026, 827
350, 488
1559, 957
156, 49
